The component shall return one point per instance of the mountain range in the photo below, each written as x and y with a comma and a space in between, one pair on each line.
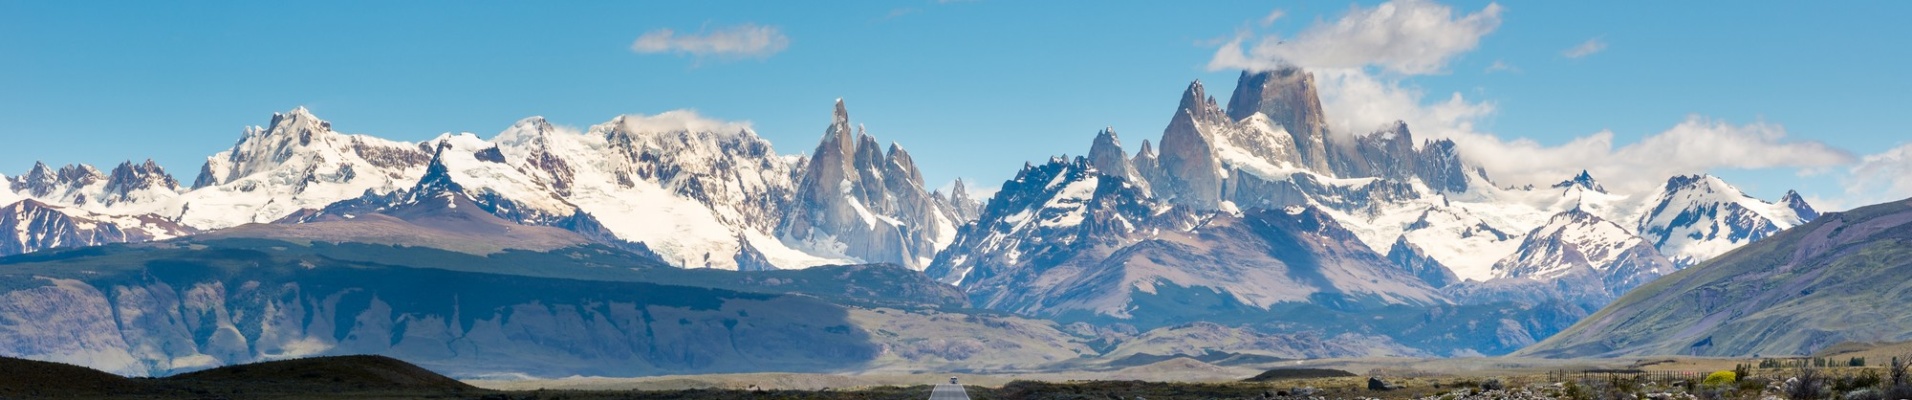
1257, 219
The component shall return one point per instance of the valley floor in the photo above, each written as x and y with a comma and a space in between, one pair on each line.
1446, 379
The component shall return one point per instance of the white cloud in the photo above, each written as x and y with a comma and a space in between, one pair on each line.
1587, 48
1413, 37
1402, 36
680, 121
736, 42
1359, 102
1881, 177
1696, 145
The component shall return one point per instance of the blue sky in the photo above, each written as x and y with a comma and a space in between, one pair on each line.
976, 88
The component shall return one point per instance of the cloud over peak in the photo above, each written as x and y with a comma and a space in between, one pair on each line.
1412, 37
734, 42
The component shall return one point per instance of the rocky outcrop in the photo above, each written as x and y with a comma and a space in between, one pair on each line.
1415, 261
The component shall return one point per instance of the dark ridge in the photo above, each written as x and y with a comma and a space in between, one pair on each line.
360, 372
1298, 373
337, 376
20, 379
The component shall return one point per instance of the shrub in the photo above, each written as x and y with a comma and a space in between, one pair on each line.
1898, 371
1720, 378
1866, 379
1807, 383
1865, 394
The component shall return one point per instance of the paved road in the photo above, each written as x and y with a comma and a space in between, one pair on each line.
949, 392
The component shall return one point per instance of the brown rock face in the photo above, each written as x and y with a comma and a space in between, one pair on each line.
1288, 97
1190, 173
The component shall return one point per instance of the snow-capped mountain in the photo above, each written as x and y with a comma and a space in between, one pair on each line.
1601, 258
1698, 217
1440, 221
130, 189
701, 193
1065, 237
30, 225
296, 162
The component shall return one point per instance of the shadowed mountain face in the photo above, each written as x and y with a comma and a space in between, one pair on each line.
1839, 278
165, 310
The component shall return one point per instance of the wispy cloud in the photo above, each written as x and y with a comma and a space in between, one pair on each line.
1358, 102
736, 42
1881, 177
1403, 36
1502, 66
1695, 145
899, 12
1587, 48
1272, 17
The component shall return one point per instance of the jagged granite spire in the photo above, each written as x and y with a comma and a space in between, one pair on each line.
855, 200
1106, 155
1190, 173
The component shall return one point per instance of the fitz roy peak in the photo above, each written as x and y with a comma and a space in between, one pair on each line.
1091, 238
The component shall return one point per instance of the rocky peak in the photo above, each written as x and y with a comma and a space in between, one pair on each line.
1584, 181
961, 204
1189, 172
1599, 259
1698, 217
78, 175
1387, 153
901, 162
1439, 165
1798, 205
1197, 103
1106, 154
261, 148
37, 182
129, 177
1287, 96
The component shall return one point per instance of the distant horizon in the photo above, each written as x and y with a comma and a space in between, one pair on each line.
1769, 110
